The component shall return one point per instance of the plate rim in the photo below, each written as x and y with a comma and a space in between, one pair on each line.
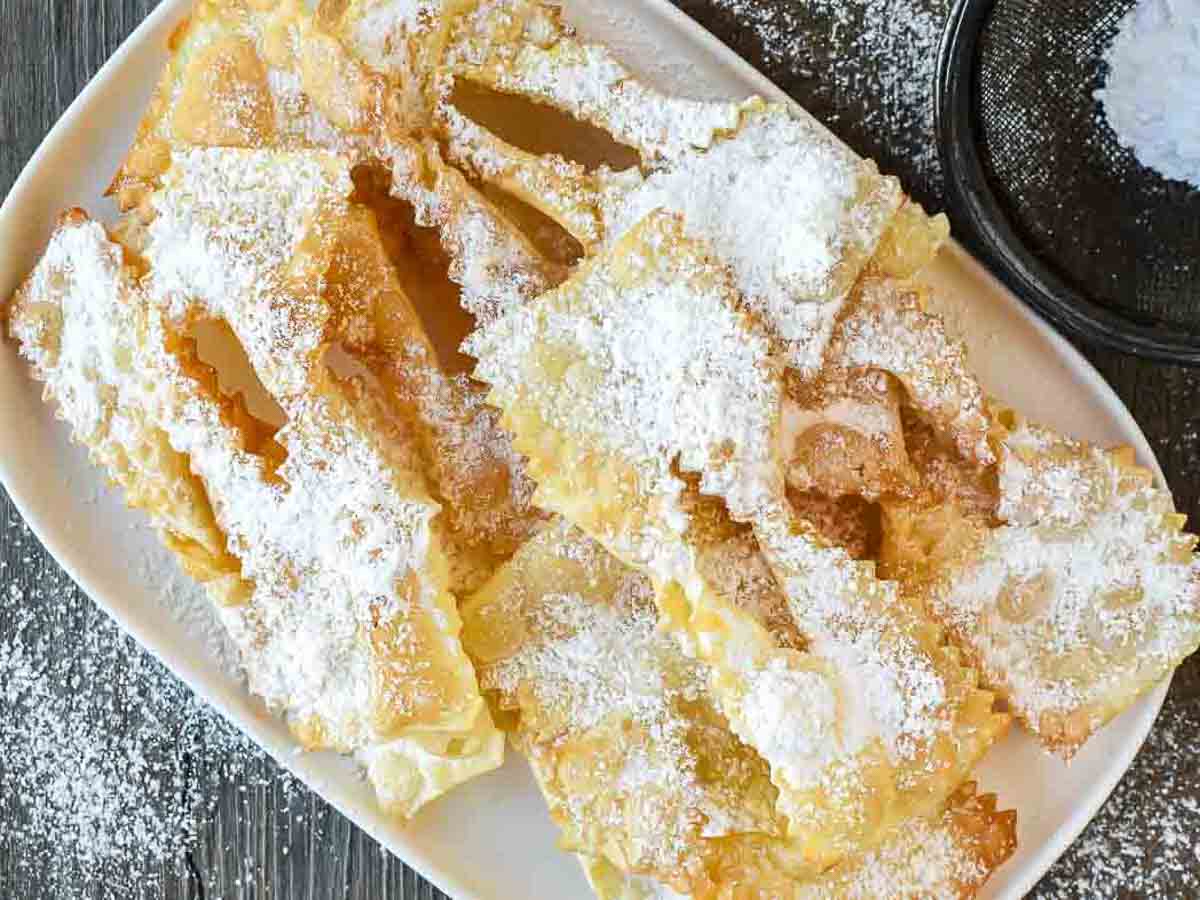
61, 549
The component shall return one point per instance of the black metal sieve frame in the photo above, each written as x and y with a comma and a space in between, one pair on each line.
975, 211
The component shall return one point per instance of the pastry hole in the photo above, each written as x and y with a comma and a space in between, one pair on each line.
229, 387
422, 266
540, 129
547, 236
218, 347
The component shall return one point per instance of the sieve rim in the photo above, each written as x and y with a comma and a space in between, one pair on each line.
985, 227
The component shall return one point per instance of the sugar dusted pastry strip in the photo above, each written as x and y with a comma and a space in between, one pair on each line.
78, 324
794, 213
223, 243
496, 266
399, 39
254, 75
641, 358
630, 751
561, 189
473, 471
947, 856
337, 597
1080, 598
919, 722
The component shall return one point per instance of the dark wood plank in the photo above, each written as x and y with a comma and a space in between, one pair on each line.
252, 832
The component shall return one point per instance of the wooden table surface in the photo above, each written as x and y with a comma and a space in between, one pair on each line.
229, 824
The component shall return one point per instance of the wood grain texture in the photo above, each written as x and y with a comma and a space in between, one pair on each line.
258, 835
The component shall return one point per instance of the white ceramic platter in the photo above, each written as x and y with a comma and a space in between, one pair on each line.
492, 840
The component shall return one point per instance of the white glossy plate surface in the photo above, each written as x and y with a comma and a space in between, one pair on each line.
492, 839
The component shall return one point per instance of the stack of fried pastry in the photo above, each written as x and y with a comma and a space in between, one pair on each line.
489, 390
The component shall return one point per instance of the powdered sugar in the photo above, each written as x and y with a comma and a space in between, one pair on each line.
853, 623
790, 210
1143, 843
605, 663
777, 700
662, 366
108, 761
1153, 79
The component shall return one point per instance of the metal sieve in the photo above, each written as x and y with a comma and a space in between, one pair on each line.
1039, 187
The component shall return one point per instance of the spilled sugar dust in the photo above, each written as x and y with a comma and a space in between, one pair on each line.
108, 763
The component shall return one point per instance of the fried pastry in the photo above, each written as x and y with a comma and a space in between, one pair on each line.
257, 74
634, 758
918, 722
491, 259
473, 471
80, 281
580, 376
947, 856
1080, 597
849, 522
267, 75
308, 93
910, 243
795, 214
844, 427
398, 39
333, 583
642, 358
523, 47
886, 328
792, 212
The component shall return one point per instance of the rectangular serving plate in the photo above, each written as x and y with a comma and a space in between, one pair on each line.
492, 839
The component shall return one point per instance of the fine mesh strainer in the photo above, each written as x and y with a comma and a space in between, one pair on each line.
1038, 185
